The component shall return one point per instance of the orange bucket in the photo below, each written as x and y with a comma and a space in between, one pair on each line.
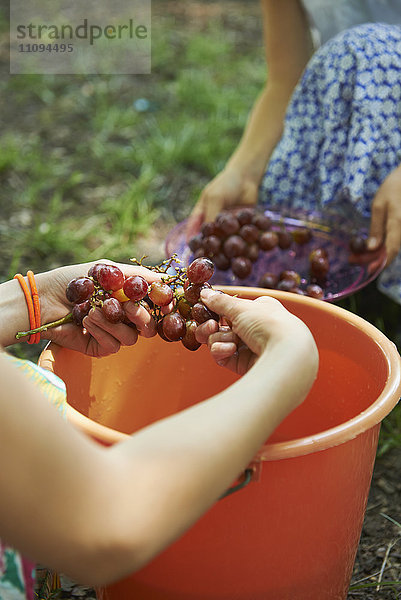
293, 532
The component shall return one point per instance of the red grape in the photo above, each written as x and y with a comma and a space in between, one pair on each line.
241, 267
79, 311
211, 245
291, 276
245, 216
94, 270
318, 253
199, 253
262, 222
79, 289
319, 267
286, 285
200, 313
135, 287
159, 329
250, 233
357, 244
160, 293
112, 310
110, 278
189, 340
227, 224
314, 291
221, 261
174, 326
234, 246
252, 252
268, 240
268, 280
208, 229
200, 270
195, 242
193, 290
184, 307
284, 239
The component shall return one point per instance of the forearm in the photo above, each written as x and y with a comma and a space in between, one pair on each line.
13, 312
137, 497
14, 315
263, 131
51, 286
288, 48
209, 445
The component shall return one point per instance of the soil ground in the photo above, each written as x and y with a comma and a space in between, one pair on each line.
379, 553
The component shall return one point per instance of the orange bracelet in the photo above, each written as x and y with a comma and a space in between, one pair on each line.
35, 337
36, 304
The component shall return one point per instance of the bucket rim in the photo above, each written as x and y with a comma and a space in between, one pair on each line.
297, 447
367, 419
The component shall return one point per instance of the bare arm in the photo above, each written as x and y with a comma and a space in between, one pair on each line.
103, 513
102, 337
288, 49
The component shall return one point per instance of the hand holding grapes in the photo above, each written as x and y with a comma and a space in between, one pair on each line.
98, 336
258, 327
228, 189
386, 216
111, 307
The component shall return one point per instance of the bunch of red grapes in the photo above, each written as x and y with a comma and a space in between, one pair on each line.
235, 241
174, 301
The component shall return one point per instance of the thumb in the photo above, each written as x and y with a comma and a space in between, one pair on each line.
222, 304
249, 319
377, 226
232, 307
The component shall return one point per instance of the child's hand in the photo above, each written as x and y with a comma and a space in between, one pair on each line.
257, 327
385, 223
228, 189
98, 337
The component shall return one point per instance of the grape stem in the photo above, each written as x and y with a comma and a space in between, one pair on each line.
66, 319
163, 267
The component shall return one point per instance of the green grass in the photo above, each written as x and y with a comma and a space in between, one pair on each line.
83, 174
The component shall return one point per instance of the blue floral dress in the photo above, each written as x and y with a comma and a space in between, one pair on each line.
342, 134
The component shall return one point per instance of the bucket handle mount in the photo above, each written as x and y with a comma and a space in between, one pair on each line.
236, 488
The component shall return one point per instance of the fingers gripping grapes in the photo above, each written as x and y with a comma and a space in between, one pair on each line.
252, 320
256, 326
113, 308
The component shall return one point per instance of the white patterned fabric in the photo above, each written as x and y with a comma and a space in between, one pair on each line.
342, 133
